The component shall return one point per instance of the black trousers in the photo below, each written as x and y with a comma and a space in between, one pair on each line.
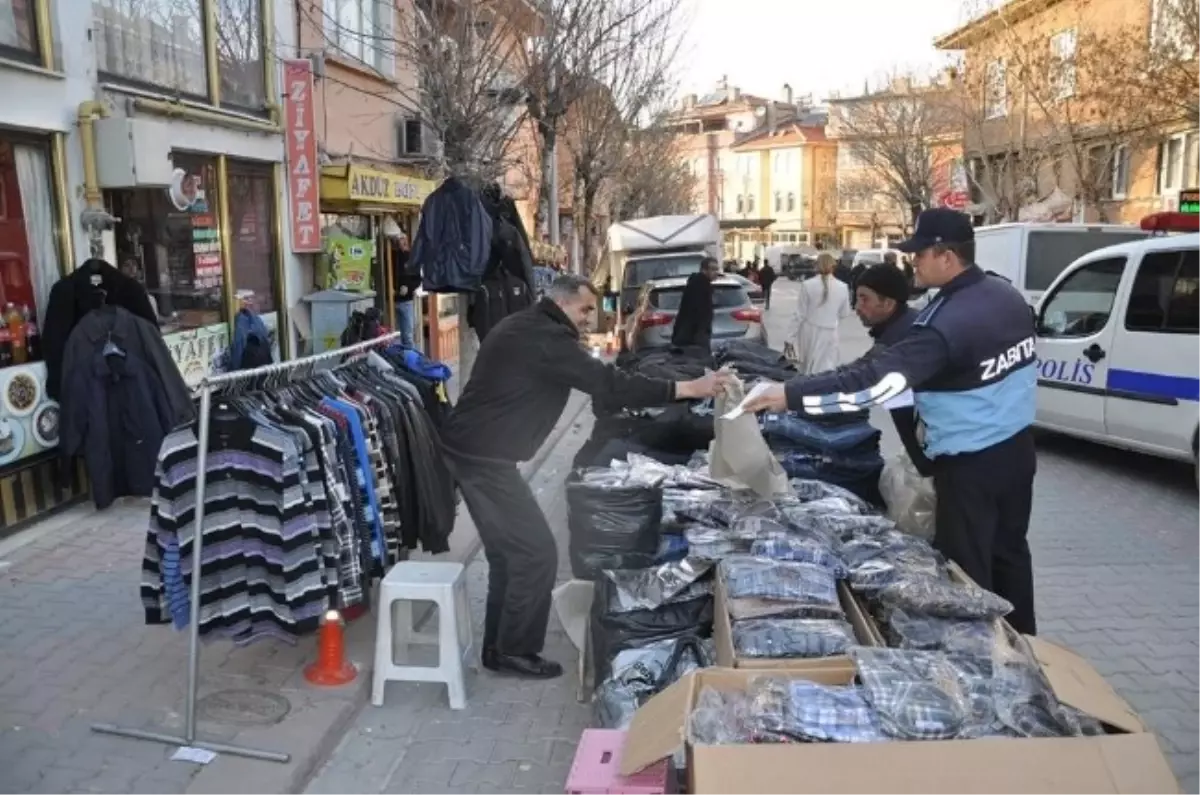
519, 546
982, 521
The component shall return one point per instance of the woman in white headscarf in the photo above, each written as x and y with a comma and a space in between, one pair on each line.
823, 303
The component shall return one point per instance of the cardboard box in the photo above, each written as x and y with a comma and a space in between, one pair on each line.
1128, 760
727, 658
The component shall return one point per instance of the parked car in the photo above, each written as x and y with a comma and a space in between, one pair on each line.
755, 291
653, 318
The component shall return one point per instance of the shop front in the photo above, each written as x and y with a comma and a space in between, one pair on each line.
205, 248
360, 205
35, 247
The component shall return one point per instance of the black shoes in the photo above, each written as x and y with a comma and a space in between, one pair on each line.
530, 666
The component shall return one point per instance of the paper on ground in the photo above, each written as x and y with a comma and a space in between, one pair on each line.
187, 753
740, 409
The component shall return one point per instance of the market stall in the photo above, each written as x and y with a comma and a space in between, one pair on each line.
759, 624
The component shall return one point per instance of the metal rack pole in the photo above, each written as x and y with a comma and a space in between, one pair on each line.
193, 671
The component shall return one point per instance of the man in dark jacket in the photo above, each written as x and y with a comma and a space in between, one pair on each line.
882, 305
766, 278
693, 321
523, 376
405, 283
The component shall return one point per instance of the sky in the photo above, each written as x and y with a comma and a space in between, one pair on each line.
816, 46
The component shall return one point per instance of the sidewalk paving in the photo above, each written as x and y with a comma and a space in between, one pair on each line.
515, 736
76, 652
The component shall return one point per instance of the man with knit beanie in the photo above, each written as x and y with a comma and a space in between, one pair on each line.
881, 303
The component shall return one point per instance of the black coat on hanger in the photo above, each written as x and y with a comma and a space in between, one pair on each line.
93, 284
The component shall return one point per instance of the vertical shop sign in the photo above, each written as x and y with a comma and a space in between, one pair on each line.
303, 182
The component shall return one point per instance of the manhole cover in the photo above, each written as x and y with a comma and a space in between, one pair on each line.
243, 707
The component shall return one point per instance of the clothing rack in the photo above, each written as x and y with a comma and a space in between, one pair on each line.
206, 389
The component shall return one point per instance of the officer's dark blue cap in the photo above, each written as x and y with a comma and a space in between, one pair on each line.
938, 225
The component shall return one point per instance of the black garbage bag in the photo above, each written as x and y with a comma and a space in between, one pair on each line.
613, 525
613, 631
638, 674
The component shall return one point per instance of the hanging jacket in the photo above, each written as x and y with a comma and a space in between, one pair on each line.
497, 297
251, 342
454, 239
122, 394
92, 284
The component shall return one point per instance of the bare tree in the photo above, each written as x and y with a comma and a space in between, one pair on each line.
577, 43
622, 96
1055, 112
894, 134
654, 178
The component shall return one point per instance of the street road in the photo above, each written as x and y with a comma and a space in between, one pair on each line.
1115, 552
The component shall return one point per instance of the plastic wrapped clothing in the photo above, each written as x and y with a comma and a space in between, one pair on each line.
637, 674
674, 476
651, 588
798, 549
613, 631
910, 498
713, 543
747, 577
614, 519
686, 506
785, 638
789, 430
671, 549
810, 490
939, 596
721, 717
798, 710
908, 630
919, 695
837, 526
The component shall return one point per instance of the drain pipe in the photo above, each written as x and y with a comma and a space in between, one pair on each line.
94, 218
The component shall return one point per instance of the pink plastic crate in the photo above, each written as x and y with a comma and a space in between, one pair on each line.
597, 766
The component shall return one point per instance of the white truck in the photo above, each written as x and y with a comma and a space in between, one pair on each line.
659, 247
1032, 255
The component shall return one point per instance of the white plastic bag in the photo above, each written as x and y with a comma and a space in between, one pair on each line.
910, 498
739, 456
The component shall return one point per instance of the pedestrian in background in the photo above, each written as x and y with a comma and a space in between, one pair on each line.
405, 282
526, 368
694, 320
821, 306
970, 359
766, 278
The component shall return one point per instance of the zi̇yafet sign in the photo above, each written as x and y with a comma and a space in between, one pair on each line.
303, 177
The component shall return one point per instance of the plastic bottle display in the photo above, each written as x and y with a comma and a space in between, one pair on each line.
16, 333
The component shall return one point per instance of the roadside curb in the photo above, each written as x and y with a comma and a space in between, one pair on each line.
305, 769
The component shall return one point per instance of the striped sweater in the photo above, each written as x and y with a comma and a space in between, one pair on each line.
264, 568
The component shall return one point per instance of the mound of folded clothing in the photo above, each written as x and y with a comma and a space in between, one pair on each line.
841, 449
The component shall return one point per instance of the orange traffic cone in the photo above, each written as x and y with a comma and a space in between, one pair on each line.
331, 668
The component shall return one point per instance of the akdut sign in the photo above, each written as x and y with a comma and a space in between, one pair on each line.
366, 185
303, 178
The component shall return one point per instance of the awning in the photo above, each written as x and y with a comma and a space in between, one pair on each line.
354, 187
746, 224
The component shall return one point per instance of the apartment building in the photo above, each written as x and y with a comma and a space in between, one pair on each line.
789, 175
1054, 131
898, 151
709, 126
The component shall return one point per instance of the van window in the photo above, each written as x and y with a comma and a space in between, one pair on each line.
1049, 253
640, 271
1165, 293
1083, 302
724, 297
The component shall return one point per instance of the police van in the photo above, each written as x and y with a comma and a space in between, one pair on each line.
1118, 354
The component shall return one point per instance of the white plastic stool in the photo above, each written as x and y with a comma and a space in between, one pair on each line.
444, 584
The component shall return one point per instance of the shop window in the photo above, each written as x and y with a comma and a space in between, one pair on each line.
18, 30
791, 202
28, 258
159, 44
240, 64
170, 240
252, 237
